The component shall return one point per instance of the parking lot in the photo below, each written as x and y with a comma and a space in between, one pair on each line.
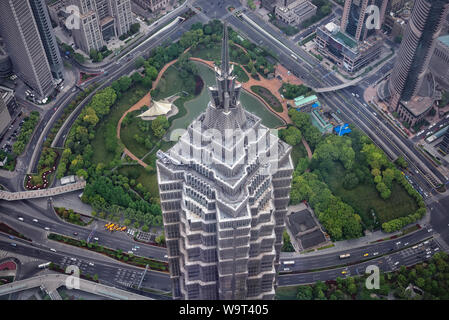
10, 136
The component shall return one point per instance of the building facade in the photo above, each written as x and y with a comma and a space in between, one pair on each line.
153, 5
48, 37
88, 36
355, 15
411, 67
344, 51
5, 117
224, 212
24, 45
439, 64
101, 20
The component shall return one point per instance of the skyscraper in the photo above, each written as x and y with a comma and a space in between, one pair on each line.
24, 45
44, 26
100, 21
416, 50
88, 36
355, 15
224, 190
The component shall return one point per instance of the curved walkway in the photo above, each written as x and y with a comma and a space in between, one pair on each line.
21, 195
145, 101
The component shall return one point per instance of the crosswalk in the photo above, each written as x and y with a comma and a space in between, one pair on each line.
127, 278
3, 254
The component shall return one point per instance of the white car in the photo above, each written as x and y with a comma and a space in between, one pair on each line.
47, 228
96, 239
35, 220
51, 249
91, 263
20, 219
166, 256
375, 253
396, 263
430, 230
73, 259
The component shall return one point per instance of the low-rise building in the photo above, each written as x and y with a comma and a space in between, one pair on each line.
296, 12
344, 51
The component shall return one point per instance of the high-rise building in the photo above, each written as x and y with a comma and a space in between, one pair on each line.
410, 73
355, 15
224, 190
5, 117
101, 20
121, 10
24, 45
439, 64
153, 5
88, 36
43, 22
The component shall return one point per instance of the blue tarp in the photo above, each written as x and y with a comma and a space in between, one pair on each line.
316, 105
342, 130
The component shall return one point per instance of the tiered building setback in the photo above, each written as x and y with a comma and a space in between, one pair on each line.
224, 190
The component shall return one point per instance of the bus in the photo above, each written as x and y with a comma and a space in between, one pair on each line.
344, 256
288, 262
44, 265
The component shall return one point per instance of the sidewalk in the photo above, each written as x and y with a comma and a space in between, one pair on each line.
355, 243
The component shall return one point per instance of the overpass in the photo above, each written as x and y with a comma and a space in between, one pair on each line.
54, 281
338, 87
22, 195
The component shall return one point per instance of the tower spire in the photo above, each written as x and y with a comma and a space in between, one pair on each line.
225, 51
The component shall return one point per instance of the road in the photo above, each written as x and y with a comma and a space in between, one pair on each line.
109, 272
407, 257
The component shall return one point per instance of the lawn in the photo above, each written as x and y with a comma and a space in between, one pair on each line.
214, 54
170, 84
126, 101
286, 293
127, 136
365, 197
268, 97
148, 180
241, 75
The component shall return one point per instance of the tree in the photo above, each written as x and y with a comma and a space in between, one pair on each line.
125, 83
304, 293
139, 62
292, 135
159, 126
82, 174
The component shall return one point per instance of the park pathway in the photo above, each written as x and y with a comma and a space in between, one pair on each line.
273, 85
145, 101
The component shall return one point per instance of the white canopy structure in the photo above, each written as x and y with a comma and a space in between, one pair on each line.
158, 108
